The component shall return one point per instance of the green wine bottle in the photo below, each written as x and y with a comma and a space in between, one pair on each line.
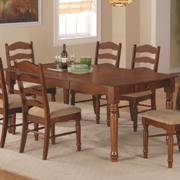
64, 57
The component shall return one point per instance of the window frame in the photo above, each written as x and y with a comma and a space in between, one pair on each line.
80, 40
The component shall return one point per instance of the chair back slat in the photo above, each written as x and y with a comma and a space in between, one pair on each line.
108, 52
21, 56
145, 59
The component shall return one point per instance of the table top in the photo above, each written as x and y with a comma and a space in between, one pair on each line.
109, 75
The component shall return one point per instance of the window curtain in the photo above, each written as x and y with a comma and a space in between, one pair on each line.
77, 6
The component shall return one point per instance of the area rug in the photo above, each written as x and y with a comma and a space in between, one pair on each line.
93, 162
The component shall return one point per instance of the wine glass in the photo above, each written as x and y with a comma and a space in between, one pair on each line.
72, 59
57, 61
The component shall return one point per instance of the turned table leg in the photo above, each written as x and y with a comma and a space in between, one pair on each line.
114, 131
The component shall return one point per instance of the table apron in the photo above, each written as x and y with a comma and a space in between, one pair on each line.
57, 83
153, 85
88, 88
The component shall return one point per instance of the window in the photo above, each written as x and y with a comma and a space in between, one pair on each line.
77, 21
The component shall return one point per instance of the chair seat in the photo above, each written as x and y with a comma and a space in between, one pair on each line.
165, 116
57, 109
137, 94
26, 85
14, 101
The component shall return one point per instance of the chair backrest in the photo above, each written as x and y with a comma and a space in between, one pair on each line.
19, 51
178, 98
3, 91
146, 54
32, 73
108, 52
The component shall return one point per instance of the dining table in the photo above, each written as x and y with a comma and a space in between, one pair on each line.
106, 79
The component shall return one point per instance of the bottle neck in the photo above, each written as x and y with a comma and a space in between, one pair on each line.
64, 47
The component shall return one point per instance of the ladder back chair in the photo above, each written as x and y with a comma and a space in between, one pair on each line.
106, 52
42, 112
10, 104
144, 56
167, 119
20, 51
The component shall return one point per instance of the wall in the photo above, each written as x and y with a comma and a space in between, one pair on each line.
133, 27
163, 33
42, 35
175, 36
119, 31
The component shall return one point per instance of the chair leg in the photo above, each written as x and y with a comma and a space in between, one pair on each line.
4, 130
97, 108
53, 94
94, 103
53, 134
170, 143
178, 138
78, 135
153, 101
134, 116
46, 142
145, 139
23, 136
72, 97
36, 136
131, 110
12, 123
108, 115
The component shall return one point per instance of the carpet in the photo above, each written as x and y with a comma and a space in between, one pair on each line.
93, 162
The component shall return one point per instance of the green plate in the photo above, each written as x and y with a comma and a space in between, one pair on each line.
80, 71
80, 66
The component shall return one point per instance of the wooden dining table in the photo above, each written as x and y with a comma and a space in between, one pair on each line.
108, 80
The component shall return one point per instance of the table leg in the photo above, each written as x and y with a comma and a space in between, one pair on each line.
114, 131
169, 100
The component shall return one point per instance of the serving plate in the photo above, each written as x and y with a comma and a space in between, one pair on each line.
80, 66
80, 71
57, 69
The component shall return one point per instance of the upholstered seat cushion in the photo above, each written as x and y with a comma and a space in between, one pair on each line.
57, 109
166, 116
138, 94
28, 84
14, 101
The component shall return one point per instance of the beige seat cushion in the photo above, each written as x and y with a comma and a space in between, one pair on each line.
166, 116
28, 84
14, 101
138, 94
57, 109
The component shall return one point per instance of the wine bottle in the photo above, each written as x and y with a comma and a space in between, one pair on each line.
64, 57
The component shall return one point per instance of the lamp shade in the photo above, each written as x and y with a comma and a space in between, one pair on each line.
120, 2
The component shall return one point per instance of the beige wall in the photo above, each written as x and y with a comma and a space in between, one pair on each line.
175, 36
133, 27
42, 35
130, 27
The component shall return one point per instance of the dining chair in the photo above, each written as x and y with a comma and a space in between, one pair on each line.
144, 56
166, 119
10, 104
41, 111
106, 52
20, 51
